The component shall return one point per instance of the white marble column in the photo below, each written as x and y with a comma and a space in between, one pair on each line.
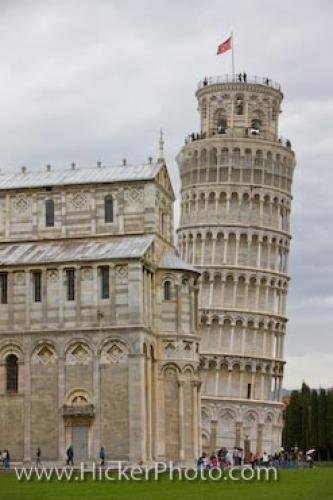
232, 338
26, 401
149, 408
61, 402
229, 387
259, 253
241, 383
246, 295
181, 419
97, 405
243, 339
213, 250
262, 386
225, 249
253, 384
216, 389
237, 250
195, 421
211, 291
136, 398
234, 293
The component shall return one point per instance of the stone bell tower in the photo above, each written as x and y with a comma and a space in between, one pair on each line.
236, 176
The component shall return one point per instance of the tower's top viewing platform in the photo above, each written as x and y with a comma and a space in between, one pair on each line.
239, 106
239, 79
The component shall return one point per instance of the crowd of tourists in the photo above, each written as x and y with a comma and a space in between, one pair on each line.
225, 458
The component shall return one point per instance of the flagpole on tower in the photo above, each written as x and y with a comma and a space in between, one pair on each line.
232, 55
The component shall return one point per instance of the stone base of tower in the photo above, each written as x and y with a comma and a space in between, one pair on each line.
252, 425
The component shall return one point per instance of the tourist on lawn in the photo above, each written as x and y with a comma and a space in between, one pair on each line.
293, 460
6, 459
221, 456
265, 459
276, 460
202, 461
38, 457
257, 459
214, 462
102, 456
70, 455
252, 460
309, 458
229, 459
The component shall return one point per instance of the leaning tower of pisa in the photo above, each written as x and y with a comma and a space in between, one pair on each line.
236, 176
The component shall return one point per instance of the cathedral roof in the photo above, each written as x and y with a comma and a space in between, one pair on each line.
172, 261
79, 176
43, 252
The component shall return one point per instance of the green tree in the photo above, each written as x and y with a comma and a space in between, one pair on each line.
322, 427
329, 419
309, 421
306, 417
293, 421
314, 420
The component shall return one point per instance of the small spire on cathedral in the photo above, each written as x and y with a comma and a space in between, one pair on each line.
161, 146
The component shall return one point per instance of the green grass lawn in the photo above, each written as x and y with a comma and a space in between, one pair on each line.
299, 484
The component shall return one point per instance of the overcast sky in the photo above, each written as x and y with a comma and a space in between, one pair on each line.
95, 80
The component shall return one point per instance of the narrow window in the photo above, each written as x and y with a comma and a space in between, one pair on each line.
221, 126
256, 125
248, 391
37, 285
167, 290
163, 223
105, 282
11, 373
239, 105
108, 208
3, 288
49, 213
70, 275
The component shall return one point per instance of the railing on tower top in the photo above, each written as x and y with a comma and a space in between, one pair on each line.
195, 136
239, 78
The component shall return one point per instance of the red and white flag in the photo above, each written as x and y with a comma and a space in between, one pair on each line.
224, 46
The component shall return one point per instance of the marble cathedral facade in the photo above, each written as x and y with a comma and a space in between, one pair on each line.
98, 317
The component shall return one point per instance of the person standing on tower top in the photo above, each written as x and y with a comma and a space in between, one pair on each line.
244, 77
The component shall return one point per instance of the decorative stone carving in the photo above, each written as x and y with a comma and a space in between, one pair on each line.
19, 278
114, 352
79, 200
52, 275
44, 355
86, 274
134, 195
21, 205
171, 349
78, 354
122, 274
